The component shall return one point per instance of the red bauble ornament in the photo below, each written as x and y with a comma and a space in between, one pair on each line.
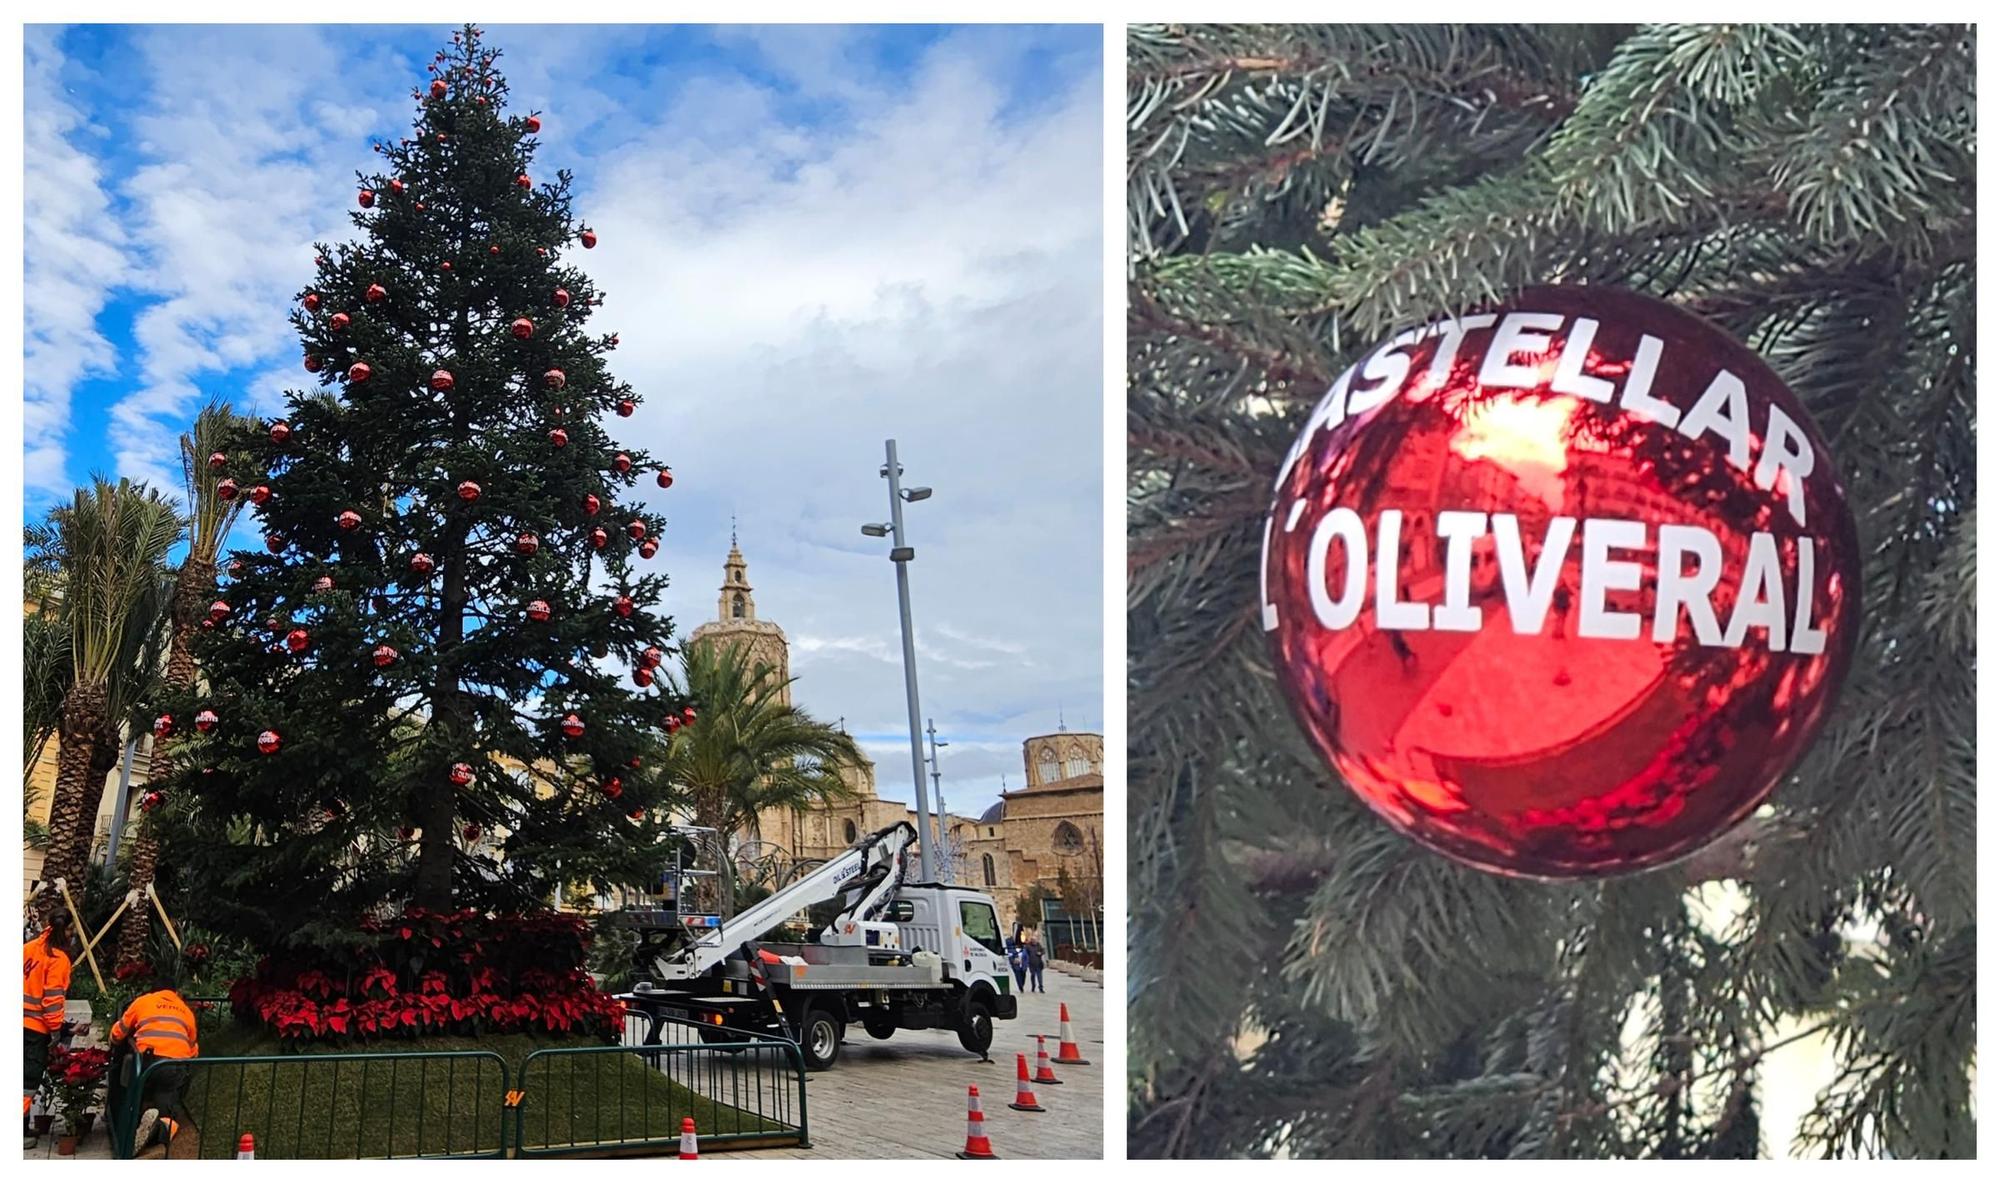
358, 372
437, 88
461, 774
385, 656
555, 379
524, 181
672, 723
226, 489
531, 125
588, 238
205, 721
636, 530
572, 726
298, 641
598, 538
151, 801
522, 328
468, 491
311, 301
625, 408
637, 815
323, 584
367, 198
538, 611
441, 380
632, 763
280, 432
471, 833
666, 478
348, 520
312, 364
561, 297
339, 321
219, 610
559, 437
163, 726
652, 657
614, 788
421, 563
217, 461
642, 677
268, 741
527, 544
259, 494
648, 549
376, 293
622, 462
687, 714
274, 542
494, 249
396, 187
591, 505
1563, 588
622, 605
406, 832
446, 265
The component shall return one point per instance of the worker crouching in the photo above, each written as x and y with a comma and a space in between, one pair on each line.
158, 1026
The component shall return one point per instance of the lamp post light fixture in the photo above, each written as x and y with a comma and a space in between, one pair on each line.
900, 553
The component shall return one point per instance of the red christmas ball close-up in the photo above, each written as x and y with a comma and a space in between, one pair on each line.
623, 605
358, 372
652, 657
268, 741
531, 125
323, 584
441, 380
527, 544
468, 491
642, 677
385, 656
622, 462
589, 239
591, 505
219, 610
572, 726
205, 721
163, 726
625, 408
226, 489
1562, 588
421, 563
217, 461
395, 186
461, 774
522, 328
648, 549
559, 437
348, 520
437, 88
280, 432
598, 538
561, 298
259, 494
366, 197
312, 364
298, 640
538, 611
555, 379
274, 542
339, 321
614, 788
666, 478
636, 530
376, 293
311, 301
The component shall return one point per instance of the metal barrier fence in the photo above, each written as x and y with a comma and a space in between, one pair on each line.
743, 1089
358, 1105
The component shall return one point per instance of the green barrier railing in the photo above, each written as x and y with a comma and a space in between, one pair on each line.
352, 1105
742, 1089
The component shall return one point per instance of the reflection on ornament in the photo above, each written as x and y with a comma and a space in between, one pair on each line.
1564, 588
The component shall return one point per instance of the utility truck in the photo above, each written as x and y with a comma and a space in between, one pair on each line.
895, 956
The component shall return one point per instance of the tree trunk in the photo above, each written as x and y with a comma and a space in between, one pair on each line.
436, 805
192, 591
79, 786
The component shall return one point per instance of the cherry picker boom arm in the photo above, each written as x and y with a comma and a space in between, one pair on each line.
869, 872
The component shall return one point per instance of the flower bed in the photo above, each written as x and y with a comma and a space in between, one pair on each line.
434, 973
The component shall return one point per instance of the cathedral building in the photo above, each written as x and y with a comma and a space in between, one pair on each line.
1017, 849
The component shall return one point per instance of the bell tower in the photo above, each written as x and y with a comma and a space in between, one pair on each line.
736, 623
735, 603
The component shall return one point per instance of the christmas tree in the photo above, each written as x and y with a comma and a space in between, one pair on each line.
1305, 980
413, 694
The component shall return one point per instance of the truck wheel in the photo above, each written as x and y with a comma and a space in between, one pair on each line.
819, 1038
975, 1031
880, 1028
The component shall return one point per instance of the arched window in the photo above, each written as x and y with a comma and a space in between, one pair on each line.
736, 606
1046, 765
848, 828
1068, 839
1075, 766
986, 864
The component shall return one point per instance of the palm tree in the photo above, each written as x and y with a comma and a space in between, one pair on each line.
108, 549
749, 749
210, 518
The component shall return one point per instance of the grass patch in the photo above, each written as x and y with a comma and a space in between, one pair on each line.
396, 1105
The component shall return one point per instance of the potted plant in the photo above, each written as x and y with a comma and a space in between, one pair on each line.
75, 1075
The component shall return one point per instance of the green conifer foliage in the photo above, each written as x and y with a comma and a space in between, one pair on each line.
1305, 981
465, 263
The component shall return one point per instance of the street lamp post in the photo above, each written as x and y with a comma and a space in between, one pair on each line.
901, 553
937, 789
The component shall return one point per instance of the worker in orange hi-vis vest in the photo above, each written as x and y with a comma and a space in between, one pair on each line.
157, 1026
45, 971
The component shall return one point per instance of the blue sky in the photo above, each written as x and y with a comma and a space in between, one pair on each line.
812, 238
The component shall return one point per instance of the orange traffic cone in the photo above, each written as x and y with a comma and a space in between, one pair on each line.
246, 1147
976, 1145
1043, 1073
1066, 1052
1024, 1096
690, 1145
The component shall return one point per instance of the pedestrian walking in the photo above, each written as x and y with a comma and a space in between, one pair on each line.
1035, 961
